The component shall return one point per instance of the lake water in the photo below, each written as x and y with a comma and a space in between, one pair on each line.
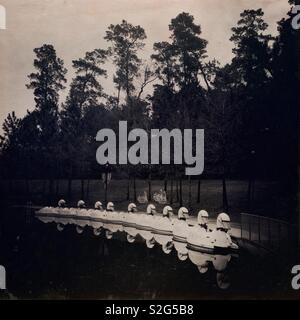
42, 262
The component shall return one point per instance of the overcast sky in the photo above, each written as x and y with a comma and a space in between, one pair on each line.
77, 26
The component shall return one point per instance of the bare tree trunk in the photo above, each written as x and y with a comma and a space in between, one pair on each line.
171, 196
250, 194
57, 187
88, 189
128, 186
150, 185
82, 189
177, 190
180, 192
105, 190
69, 189
199, 190
134, 188
166, 185
176, 180
225, 199
190, 191
44, 188
51, 188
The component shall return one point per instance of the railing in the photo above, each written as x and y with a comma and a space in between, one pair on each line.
269, 233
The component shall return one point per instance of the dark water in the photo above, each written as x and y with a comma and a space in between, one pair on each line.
43, 263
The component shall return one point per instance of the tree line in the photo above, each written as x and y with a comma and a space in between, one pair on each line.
247, 107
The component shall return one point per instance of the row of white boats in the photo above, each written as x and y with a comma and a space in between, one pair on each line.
166, 229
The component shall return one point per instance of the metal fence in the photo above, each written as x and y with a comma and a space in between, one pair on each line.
269, 233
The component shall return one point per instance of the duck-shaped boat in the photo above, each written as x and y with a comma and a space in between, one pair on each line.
163, 229
200, 238
129, 223
153, 228
144, 225
180, 232
113, 219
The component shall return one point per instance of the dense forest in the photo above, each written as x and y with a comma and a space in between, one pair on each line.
248, 107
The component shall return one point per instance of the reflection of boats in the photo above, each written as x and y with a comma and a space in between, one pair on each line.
164, 230
145, 225
113, 227
182, 251
223, 280
129, 223
97, 227
46, 219
180, 232
219, 262
200, 259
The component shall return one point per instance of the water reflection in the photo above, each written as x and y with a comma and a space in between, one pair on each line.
166, 236
79, 262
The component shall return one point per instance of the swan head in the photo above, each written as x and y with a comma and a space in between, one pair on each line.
98, 205
151, 209
167, 211
223, 221
132, 207
202, 217
110, 206
61, 203
183, 213
81, 204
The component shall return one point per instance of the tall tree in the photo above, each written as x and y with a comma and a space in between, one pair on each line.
165, 61
252, 65
126, 40
180, 65
46, 83
252, 49
189, 48
85, 92
9, 144
283, 139
10, 128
